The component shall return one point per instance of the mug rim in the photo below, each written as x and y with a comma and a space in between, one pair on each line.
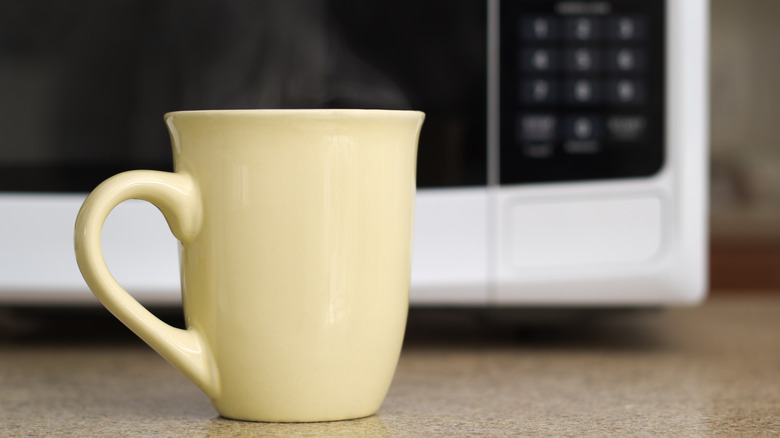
307, 111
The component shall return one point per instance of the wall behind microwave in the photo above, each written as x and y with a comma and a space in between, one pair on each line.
745, 145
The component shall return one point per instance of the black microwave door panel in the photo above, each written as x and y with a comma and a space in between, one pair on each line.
85, 84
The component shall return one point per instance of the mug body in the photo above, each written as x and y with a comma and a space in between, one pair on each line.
298, 279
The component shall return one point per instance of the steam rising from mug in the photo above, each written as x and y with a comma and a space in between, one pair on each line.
276, 55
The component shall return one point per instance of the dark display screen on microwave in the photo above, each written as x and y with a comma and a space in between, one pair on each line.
85, 83
582, 90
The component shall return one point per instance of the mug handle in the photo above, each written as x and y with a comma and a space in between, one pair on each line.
178, 198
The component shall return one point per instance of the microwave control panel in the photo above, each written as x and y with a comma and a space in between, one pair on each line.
582, 90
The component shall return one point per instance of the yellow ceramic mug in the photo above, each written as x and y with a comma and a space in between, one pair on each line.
295, 232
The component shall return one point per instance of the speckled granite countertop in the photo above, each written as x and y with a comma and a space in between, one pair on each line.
711, 370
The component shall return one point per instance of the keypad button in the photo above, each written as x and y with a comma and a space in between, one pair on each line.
539, 91
626, 91
583, 128
627, 28
538, 150
537, 128
539, 60
583, 135
539, 28
582, 91
583, 60
627, 60
626, 128
582, 28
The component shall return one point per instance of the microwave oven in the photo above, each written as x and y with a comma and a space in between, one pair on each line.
562, 163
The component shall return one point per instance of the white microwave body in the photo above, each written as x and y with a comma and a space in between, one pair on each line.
541, 234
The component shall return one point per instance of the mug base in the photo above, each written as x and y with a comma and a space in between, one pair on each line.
296, 417
334, 420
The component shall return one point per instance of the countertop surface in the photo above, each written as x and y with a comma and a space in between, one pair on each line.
708, 370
